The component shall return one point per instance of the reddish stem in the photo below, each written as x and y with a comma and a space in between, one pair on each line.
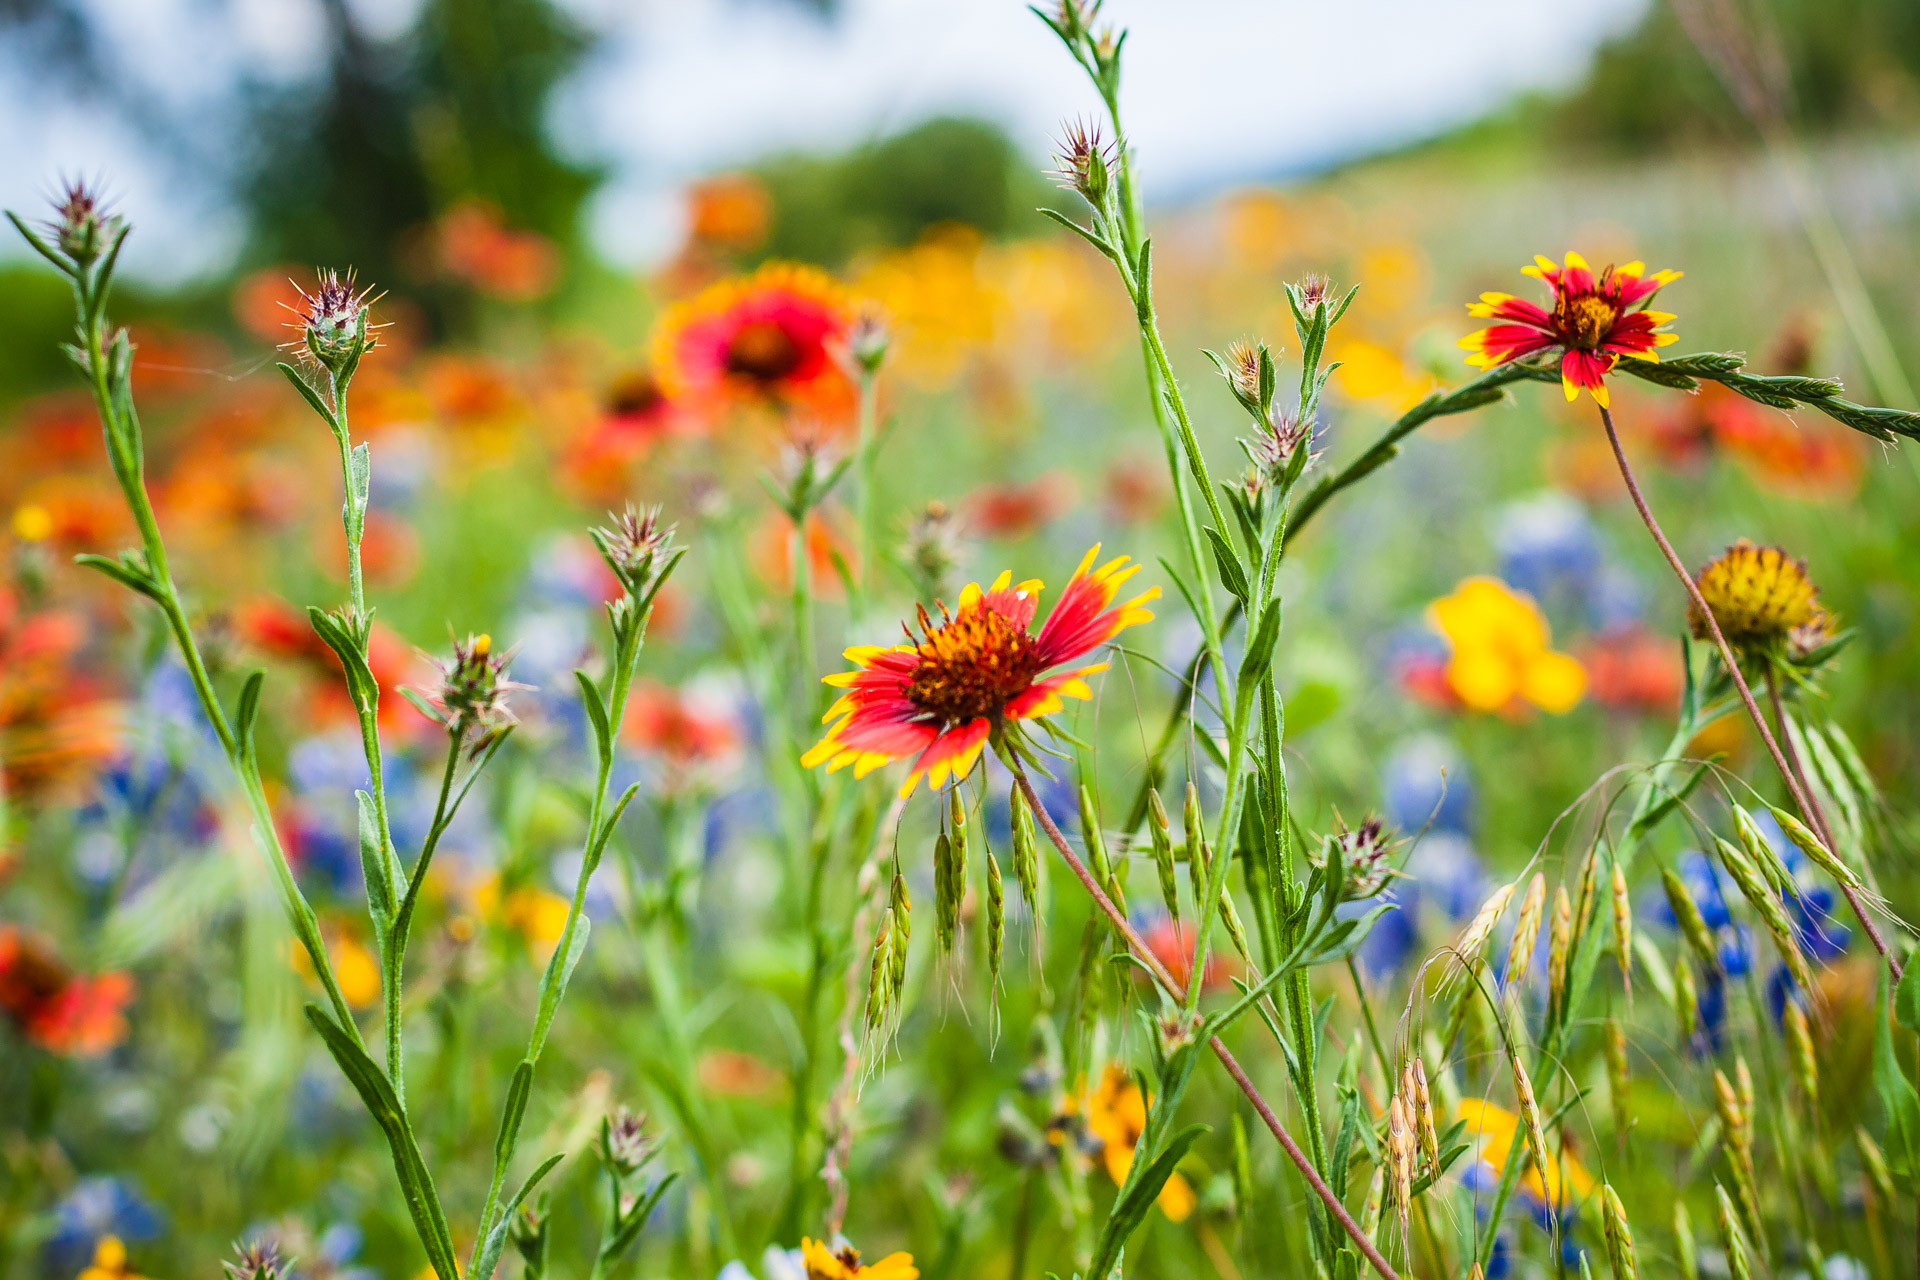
1159, 971
1754, 713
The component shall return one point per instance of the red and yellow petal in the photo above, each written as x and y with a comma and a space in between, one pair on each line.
1045, 696
1586, 369
952, 753
1081, 620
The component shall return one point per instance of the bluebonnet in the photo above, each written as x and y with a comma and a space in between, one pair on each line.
97, 1206
1426, 793
1550, 548
1425, 786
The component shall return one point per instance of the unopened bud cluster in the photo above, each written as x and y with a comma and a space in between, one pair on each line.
471, 695
257, 1259
639, 549
332, 321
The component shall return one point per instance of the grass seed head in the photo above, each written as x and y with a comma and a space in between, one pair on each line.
1622, 928
1685, 1252
1816, 851
1693, 926
1619, 1234
1615, 1045
1161, 836
1559, 944
1526, 930
1800, 1049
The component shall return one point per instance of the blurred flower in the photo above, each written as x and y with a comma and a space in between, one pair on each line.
1425, 786
1591, 323
1369, 371
63, 1012
942, 306
538, 915
354, 966
305, 1256
1631, 669
693, 733
1809, 459
58, 726
843, 1263
97, 1207
1491, 1129
1015, 510
1500, 650
940, 697
109, 1262
765, 338
1762, 599
729, 211
1116, 1113
473, 244
728, 1073
1174, 946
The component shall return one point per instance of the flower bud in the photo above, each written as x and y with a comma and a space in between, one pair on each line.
625, 1144
867, 340
471, 694
638, 549
257, 1259
333, 322
932, 549
1086, 162
82, 226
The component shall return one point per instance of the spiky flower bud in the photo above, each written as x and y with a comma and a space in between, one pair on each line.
332, 322
1623, 928
1615, 1045
1693, 926
639, 549
257, 1259
1160, 834
1684, 1251
867, 340
1800, 1048
471, 694
1314, 290
1526, 931
529, 1235
1366, 857
1814, 848
625, 1145
1085, 162
1619, 1235
81, 226
932, 549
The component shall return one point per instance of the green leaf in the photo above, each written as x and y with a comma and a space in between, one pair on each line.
550, 997
248, 711
416, 1184
1906, 998
373, 863
1896, 1092
596, 714
489, 1255
1654, 816
125, 571
1131, 1209
360, 477
1260, 644
306, 390
1232, 575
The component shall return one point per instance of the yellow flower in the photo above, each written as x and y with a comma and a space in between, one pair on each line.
354, 966
1760, 596
537, 915
1496, 1125
1501, 650
1117, 1115
31, 523
824, 1263
109, 1261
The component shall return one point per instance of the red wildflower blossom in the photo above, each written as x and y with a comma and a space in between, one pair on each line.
1592, 322
770, 336
57, 1009
941, 696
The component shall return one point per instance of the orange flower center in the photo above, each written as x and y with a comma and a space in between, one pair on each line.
762, 351
1585, 319
971, 665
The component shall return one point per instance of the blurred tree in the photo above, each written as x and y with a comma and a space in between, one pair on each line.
889, 191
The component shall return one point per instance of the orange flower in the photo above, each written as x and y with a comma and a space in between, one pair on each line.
1016, 510
765, 338
670, 724
1500, 650
1592, 323
474, 244
825, 1263
1632, 670
63, 1012
1117, 1115
941, 696
729, 211
109, 1261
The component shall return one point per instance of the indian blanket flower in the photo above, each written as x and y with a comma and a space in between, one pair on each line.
77, 1015
825, 1262
769, 337
941, 696
1501, 650
1116, 1113
1594, 320
1762, 598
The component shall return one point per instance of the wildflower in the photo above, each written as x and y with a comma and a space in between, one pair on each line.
82, 226
768, 337
471, 696
1273, 454
1763, 600
729, 211
1086, 162
638, 548
1116, 1114
538, 915
109, 1261
942, 696
77, 1015
255, 1260
474, 245
1546, 1183
332, 322
1591, 323
867, 340
1500, 645
1364, 853
625, 1144
824, 1262
932, 549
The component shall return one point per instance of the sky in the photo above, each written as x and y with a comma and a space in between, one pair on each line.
1217, 92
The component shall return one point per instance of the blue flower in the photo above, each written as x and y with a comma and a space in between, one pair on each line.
1425, 786
97, 1206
